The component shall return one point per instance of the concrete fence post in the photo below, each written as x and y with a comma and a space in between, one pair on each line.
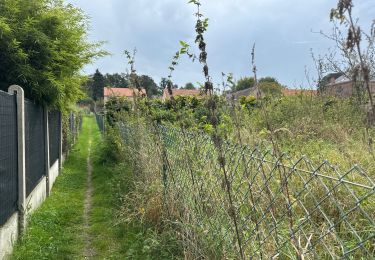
46, 150
18, 91
60, 142
73, 129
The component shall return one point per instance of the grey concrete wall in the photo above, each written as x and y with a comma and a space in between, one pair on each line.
8, 236
37, 196
17, 223
53, 173
9, 231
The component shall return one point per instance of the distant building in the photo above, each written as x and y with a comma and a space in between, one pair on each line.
241, 93
121, 92
181, 92
292, 92
253, 92
343, 87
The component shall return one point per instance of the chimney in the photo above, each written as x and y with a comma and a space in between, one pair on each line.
332, 80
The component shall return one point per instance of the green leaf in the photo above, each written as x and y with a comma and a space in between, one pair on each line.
184, 44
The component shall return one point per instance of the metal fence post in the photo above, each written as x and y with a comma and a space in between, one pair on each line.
18, 91
46, 149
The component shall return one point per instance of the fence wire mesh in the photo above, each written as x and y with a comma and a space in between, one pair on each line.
34, 145
100, 122
8, 156
268, 206
54, 128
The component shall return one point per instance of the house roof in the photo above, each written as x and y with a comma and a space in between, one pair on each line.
344, 79
182, 92
122, 92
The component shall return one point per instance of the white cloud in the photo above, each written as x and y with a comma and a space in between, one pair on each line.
281, 29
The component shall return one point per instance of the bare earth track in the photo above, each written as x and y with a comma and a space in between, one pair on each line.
89, 251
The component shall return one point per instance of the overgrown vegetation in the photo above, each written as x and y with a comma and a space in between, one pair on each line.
266, 176
135, 214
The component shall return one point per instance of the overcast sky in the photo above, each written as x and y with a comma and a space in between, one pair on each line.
282, 30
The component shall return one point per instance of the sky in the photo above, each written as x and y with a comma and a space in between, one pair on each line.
284, 31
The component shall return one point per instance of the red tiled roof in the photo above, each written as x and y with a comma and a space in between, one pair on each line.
182, 92
291, 92
121, 92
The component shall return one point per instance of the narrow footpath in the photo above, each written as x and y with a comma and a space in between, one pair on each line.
81, 220
89, 251
76, 221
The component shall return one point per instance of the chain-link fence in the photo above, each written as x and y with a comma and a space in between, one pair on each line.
243, 202
71, 129
8, 156
100, 121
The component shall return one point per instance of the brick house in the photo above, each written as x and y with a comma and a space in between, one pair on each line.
121, 92
343, 87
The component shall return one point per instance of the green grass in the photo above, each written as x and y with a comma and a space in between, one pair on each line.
115, 239
55, 229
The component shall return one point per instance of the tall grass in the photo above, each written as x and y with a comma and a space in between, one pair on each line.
287, 205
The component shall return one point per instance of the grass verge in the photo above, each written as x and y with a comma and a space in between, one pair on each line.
115, 238
55, 229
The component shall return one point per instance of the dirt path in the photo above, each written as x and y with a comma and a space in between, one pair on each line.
89, 251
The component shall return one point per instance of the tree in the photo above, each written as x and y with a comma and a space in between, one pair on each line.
97, 85
189, 86
270, 88
43, 47
269, 79
149, 85
163, 84
244, 83
116, 80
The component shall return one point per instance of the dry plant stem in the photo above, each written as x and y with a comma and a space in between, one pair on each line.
190, 162
282, 171
200, 28
165, 165
135, 85
247, 174
363, 65
351, 47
